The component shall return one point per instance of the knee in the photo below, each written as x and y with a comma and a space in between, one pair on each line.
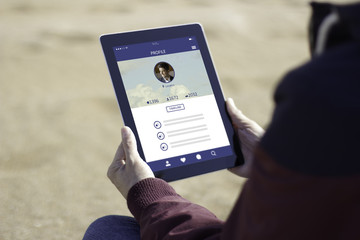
108, 227
111, 219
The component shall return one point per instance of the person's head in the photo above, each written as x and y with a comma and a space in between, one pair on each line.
164, 70
332, 24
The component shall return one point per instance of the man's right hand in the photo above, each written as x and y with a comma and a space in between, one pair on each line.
249, 133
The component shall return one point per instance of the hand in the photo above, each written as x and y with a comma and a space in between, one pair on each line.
128, 168
249, 133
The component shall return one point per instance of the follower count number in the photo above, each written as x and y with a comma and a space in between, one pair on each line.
193, 94
172, 98
152, 101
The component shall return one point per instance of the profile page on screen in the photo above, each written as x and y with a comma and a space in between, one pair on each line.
172, 102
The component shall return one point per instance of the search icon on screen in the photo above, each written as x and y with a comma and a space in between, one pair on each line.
213, 153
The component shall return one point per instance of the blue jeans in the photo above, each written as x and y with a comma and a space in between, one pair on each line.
113, 227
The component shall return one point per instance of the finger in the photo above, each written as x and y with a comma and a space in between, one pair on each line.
237, 117
118, 162
129, 144
119, 158
120, 154
234, 112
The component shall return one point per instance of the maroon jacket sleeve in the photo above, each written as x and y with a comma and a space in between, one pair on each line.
163, 214
279, 203
276, 203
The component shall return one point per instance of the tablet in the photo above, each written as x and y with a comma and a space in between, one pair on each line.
170, 96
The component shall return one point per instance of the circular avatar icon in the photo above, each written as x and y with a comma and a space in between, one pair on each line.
164, 72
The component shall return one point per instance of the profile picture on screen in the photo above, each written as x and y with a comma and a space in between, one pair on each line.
164, 72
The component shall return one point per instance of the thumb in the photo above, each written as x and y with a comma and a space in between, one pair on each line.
238, 119
129, 144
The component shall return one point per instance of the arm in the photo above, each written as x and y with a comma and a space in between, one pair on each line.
163, 214
160, 211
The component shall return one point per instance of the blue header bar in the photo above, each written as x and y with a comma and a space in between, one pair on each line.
155, 48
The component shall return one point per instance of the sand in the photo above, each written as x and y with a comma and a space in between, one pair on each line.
60, 124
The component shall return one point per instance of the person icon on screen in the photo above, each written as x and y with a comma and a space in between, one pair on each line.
163, 72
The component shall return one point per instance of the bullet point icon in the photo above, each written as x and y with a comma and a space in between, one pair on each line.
164, 146
160, 135
157, 124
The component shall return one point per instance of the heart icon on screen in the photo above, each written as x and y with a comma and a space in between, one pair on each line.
183, 159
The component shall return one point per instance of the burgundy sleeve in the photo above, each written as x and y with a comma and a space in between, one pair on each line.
276, 203
163, 214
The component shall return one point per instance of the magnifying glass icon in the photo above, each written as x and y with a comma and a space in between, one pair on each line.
213, 153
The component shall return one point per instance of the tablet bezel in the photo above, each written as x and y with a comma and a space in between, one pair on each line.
108, 41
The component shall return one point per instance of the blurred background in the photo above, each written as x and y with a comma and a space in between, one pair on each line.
59, 120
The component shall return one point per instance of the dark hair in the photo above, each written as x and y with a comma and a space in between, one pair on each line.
164, 65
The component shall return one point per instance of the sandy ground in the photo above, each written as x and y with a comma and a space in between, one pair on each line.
59, 120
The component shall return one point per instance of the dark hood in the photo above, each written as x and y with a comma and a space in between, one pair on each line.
342, 27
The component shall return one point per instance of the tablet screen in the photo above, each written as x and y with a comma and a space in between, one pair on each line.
172, 102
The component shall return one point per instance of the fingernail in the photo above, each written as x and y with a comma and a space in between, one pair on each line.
231, 102
124, 132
